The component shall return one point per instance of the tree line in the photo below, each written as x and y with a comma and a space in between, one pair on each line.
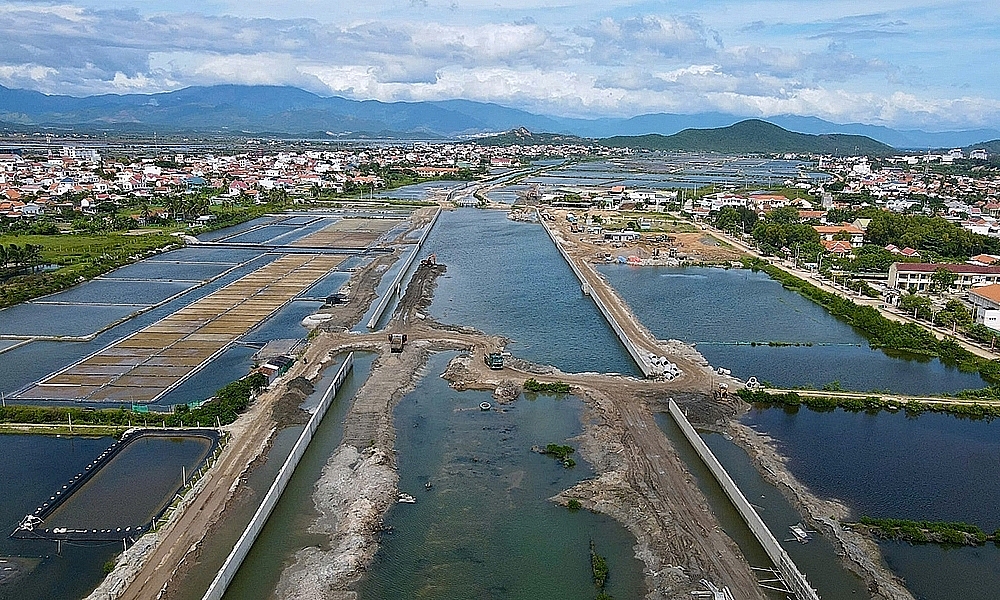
934, 237
18, 259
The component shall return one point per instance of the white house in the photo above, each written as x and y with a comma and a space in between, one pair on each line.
986, 305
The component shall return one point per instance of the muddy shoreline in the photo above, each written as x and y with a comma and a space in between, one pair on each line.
858, 552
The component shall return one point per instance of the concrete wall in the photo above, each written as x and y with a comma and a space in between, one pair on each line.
395, 289
791, 575
641, 358
242, 547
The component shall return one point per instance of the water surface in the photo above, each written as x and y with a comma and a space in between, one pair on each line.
722, 312
507, 278
486, 529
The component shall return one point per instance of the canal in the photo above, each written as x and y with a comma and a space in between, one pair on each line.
933, 467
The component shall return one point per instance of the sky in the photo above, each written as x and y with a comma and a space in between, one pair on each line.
924, 64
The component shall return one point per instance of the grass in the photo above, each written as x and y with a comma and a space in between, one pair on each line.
923, 532
599, 567
77, 430
871, 404
79, 257
880, 331
562, 454
555, 387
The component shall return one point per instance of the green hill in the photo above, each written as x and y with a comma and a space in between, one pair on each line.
992, 146
753, 136
523, 137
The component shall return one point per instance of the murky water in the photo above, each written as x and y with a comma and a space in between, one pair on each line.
32, 467
817, 560
134, 486
485, 528
286, 529
932, 467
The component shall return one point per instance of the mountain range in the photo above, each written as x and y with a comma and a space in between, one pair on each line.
259, 110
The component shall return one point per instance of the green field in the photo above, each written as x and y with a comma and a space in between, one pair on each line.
77, 257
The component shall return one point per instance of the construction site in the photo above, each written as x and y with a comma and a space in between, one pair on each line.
640, 479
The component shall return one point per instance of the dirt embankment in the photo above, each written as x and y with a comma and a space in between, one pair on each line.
859, 553
358, 483
644, 484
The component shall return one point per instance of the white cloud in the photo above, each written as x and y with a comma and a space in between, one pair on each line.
586, 58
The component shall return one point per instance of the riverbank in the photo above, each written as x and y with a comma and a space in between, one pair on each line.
859, 553
821, 400
158, 564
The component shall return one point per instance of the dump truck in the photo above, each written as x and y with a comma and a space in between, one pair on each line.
396, 341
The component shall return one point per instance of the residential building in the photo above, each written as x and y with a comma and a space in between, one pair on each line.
986, 305
917, 276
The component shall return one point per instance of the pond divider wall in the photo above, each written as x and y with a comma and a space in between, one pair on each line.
634, 351
790, 574
246, 541
29, 528
395, 289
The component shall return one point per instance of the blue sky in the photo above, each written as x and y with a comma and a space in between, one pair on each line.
920, 63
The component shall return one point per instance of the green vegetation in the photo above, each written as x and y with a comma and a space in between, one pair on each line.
555, 387
882, 332
599, 566
109, 565
227, 404
781, 229
735, 220
78, 257
574, 504
562, 454
932, 236
873, 404
753, 136
921, 532
84, 246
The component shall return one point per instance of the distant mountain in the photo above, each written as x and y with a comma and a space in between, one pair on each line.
252, 109
911, 139
992, 146
256, 110
753, 136
523, 137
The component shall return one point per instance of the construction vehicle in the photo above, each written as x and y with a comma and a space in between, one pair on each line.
494, 360
396, 341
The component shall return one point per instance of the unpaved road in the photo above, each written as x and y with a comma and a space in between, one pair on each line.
641, 480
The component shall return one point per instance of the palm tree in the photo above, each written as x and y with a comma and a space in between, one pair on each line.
14, 256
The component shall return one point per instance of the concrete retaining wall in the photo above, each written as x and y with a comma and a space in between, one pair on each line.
791, 575
242, 547
395, 289
641, 358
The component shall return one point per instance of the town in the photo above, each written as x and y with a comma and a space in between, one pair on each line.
918, 231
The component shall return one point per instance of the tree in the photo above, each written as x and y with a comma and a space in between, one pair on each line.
872, 259
781, 229
942, 279
728, 220
918, 305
